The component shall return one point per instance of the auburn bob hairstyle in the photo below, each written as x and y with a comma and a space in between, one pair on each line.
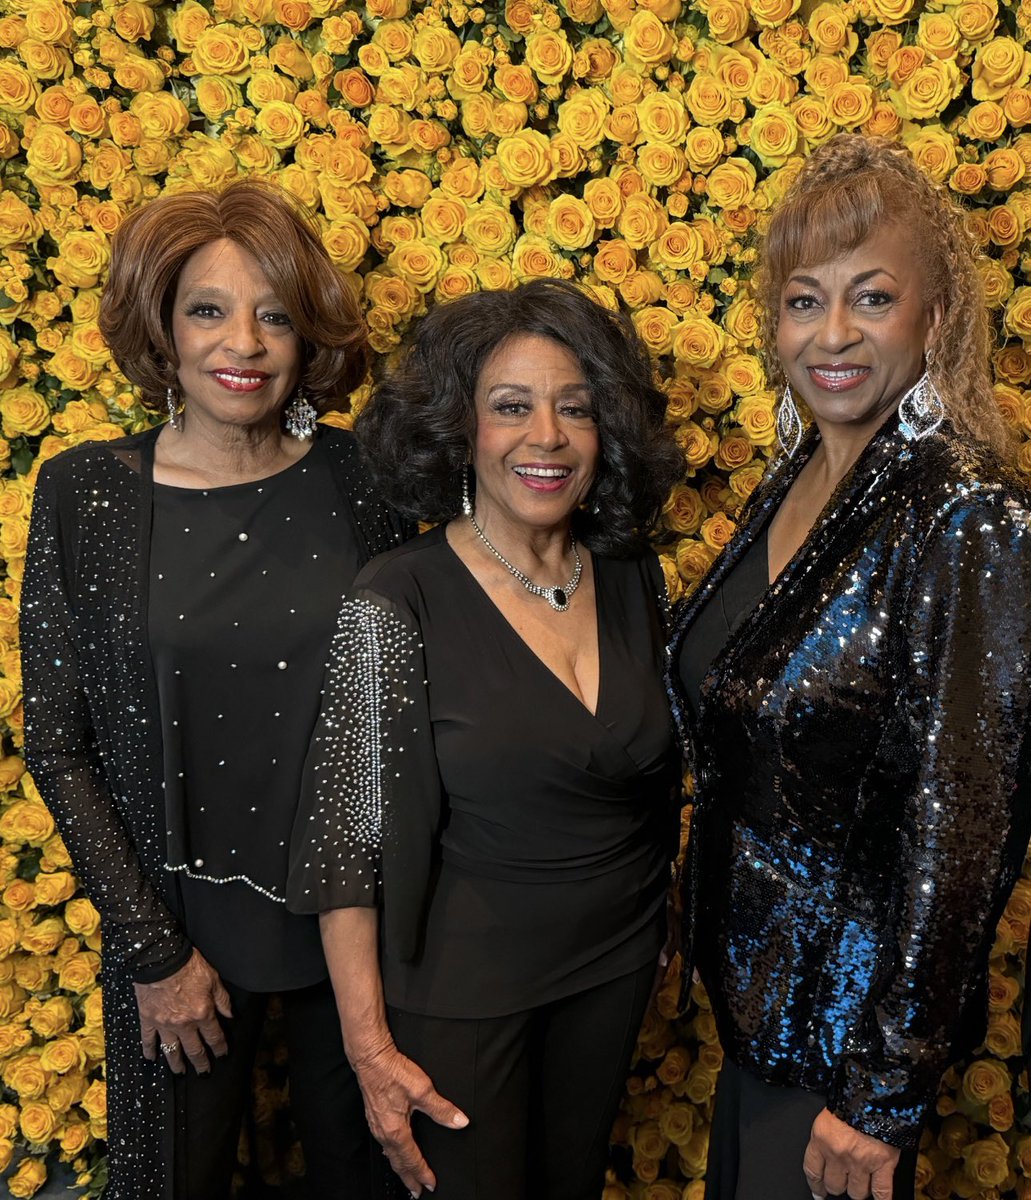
152, 245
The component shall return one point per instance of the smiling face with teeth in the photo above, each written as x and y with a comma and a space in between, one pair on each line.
239, 357
536, 448
853, 332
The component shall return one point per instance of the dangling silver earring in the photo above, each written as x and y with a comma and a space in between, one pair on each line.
467, 504
921, 411
175, 411
300, 417
789, 423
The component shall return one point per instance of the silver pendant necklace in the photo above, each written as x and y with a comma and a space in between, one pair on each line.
557, 597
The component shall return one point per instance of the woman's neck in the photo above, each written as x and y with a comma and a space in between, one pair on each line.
205, 454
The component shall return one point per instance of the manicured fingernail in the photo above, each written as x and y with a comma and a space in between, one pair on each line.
459, 1120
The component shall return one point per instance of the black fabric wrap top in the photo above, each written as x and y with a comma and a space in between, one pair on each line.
861, 759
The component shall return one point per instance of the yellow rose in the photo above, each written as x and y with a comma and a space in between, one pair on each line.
703, 147
774, 135
693, 561
48, 20
491, 229
62, 1054
732, 183
812, 119
594, 60
23, 412
25, 1075
43, 60
626, 85
728, 20
54, 889
663, 118
53, 1017
87, 118
220, 50
736, 72
1005, 226
216, 95
1012, 364
549, 55
28, 1179
138, 74
516, 83
37, 1121
881, 44
443, 218
830, 31
718, 529
508, 118
679, 247
292, 58
773, 12
929, 90
45, 936
985, 1162
605, 200
18, 224
698, 341
745, 480
12, 768
78, 973
570, 223
622, 126
187, 23
744, 373
72, 369
419, 261
655, 327
985, 121
934, 151
1001, 64
436, 48
470, 72
52, 157
938, 34
134, 21
533, 258
891, 12
583, 116
642, 221
1003, 1036
755, 414
850, 103
884, 121
526, 159
83, 259
614, 260
280, 124
648, 40
395, 39
661, 165
1004, 168
1016, 106
976, 20
985, 1079
708, 99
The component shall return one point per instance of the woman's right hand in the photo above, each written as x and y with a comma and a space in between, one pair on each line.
394, 1087
179, 1016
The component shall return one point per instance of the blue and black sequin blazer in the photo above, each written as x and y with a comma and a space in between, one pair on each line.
861, 757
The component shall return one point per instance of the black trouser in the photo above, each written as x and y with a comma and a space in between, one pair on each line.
540, 1088
325, 1102
758, 1139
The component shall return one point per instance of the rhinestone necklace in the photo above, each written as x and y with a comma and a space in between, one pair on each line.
557, 597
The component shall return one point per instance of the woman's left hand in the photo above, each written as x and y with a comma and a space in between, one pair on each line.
841, 1161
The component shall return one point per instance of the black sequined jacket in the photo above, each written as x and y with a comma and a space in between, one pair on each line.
93, 744
862, 757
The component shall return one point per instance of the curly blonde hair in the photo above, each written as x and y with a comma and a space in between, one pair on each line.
847, 189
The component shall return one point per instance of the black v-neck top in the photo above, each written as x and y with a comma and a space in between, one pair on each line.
543, 831
723, 614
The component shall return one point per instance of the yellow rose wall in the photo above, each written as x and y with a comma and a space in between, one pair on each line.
635, 145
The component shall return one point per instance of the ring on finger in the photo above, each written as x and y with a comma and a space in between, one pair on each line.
169, 1047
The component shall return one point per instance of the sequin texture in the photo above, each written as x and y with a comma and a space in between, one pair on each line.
846, 873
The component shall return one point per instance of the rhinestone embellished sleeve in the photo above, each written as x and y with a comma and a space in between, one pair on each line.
363, 821
65, 758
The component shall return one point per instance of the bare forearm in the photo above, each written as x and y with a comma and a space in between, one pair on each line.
351, 945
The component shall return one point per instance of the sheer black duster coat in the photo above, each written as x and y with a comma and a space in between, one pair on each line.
862, 767
93, 744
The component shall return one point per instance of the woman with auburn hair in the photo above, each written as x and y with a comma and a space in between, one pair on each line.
492, 793
179, 599
853, 679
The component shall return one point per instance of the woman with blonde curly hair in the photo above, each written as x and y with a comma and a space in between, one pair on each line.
853, 679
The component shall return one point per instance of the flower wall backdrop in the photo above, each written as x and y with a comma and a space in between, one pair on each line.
448, 147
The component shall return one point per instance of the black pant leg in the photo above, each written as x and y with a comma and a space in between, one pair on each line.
325, 1100
483, 1067
582, 1047
212, 1106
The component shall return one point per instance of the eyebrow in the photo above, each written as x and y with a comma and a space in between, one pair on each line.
809, 281
210, 291
522, 389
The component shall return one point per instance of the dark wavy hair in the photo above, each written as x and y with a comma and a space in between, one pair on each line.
420, 423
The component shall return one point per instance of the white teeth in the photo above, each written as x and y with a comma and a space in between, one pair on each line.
849, 374
543, 472
231, 377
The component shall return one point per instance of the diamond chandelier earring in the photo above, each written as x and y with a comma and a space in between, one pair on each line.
300, 417
789, 423
175, 411
467, 504
921, 410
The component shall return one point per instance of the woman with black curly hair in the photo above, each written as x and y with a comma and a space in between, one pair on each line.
491, 793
